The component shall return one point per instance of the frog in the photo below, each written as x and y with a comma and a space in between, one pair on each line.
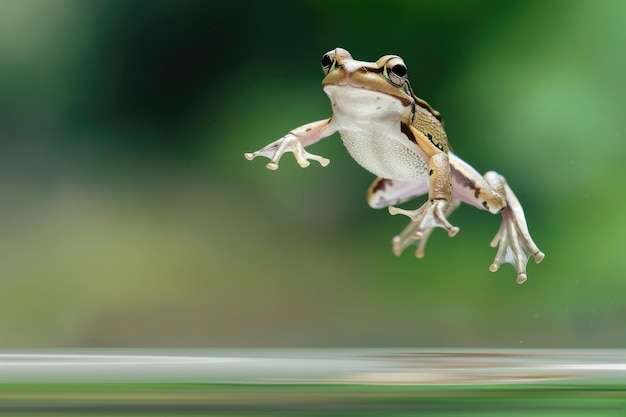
401, 139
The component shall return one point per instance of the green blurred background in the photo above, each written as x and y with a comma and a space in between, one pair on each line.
129, 216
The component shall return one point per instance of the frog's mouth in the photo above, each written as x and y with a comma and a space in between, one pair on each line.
368, 80
361, 103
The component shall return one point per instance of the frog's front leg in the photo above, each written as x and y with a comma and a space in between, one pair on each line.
295, 141
434, 212
491, 192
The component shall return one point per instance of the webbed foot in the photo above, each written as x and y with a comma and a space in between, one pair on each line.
515, 244
288, 143
423, 220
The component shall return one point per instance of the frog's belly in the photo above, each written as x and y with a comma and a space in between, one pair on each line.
384, 156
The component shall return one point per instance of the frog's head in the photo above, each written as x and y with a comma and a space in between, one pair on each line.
367, 91
388, 75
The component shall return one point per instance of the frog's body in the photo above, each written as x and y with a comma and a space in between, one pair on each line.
400, 138
376, 144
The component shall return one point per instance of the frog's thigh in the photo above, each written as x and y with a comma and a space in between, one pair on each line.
486, 193
385, 192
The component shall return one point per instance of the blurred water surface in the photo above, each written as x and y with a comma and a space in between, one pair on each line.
314, 382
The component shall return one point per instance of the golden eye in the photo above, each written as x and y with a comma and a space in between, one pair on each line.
396, 71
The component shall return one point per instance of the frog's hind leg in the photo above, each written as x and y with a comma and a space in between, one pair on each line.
385, 192
516, 245
491, 192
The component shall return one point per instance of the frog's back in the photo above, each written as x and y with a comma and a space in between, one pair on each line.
429, 122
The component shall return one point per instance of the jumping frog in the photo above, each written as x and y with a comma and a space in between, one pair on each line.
400, 138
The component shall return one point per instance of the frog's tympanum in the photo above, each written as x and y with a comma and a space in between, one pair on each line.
401, 139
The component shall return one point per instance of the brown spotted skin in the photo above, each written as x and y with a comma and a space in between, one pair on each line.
428, 121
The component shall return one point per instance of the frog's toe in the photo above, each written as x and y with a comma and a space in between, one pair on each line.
409, 236
309, 156
423, 221
431, 214
521, 276
288, 143
515, 246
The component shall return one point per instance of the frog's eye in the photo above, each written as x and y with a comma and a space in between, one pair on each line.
328, 59
396, 71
